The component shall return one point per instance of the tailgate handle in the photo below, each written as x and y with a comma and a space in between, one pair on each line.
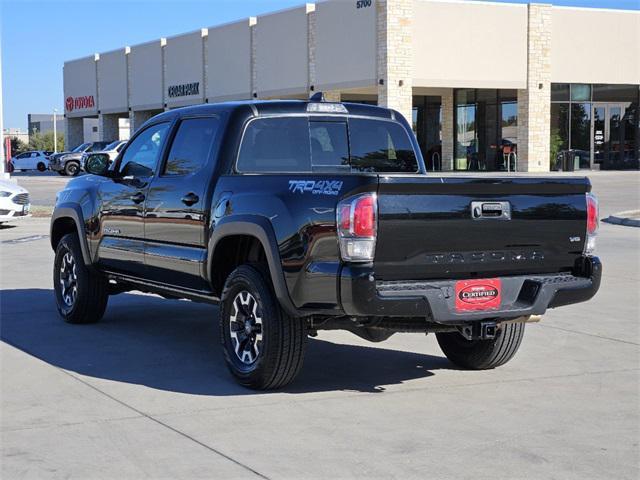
491, 210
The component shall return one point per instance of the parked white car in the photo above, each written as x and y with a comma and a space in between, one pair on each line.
14, 202
33, 160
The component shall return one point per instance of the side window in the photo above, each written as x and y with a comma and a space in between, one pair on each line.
191, 145
98, 146
141, 156
380, 146
276, 145
24, 155
329, 144
34, 154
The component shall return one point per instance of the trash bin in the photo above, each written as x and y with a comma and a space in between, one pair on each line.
566, 161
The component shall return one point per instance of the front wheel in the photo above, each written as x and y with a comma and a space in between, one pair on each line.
41, 167
482, 354
263, 346
81, 294
72, 168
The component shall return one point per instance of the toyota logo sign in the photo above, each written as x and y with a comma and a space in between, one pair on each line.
74, 103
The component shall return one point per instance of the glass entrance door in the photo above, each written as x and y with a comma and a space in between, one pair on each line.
613, 139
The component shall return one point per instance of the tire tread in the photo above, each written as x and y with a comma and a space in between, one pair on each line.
482, 354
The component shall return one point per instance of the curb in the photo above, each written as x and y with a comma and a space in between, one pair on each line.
625, 221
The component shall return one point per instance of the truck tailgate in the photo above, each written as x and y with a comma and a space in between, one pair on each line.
470, 227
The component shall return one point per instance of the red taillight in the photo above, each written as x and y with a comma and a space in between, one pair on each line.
344, 217
364, 217
592, 214
357, 224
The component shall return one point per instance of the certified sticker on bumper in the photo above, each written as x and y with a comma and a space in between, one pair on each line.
474, 295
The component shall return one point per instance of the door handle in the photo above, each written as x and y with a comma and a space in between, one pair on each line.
190, 198
138, 197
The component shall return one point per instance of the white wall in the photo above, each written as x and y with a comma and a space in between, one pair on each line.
89, 130
80, 89
184, 65
595, 46
467, 44
112, 81
346, 48
145, 75
281, 53
228, 56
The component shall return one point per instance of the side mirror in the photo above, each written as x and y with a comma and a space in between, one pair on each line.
97, 164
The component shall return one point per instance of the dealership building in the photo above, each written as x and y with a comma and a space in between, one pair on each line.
487, 86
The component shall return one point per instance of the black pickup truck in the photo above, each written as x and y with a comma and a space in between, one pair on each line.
299, 216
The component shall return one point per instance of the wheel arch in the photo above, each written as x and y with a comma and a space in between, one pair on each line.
258, 228
69, 219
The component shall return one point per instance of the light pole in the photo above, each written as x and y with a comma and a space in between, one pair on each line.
2, 159
55, 132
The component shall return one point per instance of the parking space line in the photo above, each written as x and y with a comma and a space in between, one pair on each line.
169, 427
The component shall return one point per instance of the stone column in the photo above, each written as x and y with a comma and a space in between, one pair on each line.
311, 49
108, 128
73, 132
138, 117
395, 55
253, 32
448, 151
534, 103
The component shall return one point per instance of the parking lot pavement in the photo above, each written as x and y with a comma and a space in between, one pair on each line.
145, 392
42, 186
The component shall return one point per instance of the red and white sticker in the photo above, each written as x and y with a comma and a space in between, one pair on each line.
473, 295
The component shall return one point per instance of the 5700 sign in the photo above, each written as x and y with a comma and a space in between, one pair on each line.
363, 3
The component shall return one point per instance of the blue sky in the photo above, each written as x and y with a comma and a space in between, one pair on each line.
38, 36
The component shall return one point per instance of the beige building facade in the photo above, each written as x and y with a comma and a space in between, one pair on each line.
486, 86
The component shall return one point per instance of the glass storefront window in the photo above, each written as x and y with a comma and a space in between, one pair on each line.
559, 92
466, 140
580, 93
559, 131
508, 95
427, 123
486, 134
616, 93
581, 134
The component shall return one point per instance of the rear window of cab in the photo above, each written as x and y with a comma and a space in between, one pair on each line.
303, 144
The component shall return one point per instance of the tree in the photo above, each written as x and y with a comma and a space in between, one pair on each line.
17, 146
556, 147
44, 141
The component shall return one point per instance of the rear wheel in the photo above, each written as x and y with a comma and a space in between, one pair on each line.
72, 168
81, 294
263, 346
482, 354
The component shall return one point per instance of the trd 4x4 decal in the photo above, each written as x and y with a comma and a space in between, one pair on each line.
316, 187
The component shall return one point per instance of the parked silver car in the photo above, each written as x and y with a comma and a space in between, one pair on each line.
68, 163
113, 149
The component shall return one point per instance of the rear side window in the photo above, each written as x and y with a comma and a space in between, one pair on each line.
379, 146
276, 145
329, 144
191, 145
